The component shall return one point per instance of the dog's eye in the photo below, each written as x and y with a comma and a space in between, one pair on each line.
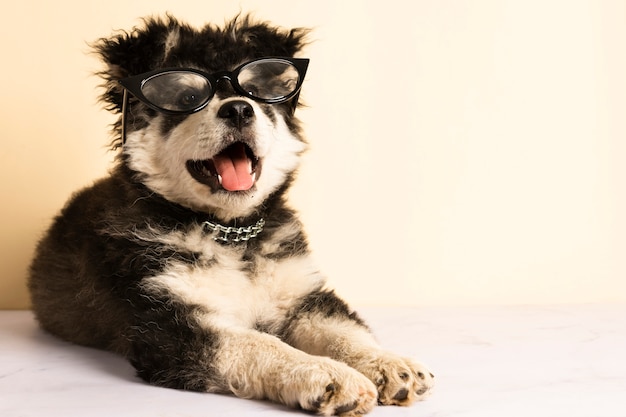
177, 91
269, 79
189, 99
252, 89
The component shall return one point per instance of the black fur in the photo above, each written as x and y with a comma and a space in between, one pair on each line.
84, 278
86, 274
91, 275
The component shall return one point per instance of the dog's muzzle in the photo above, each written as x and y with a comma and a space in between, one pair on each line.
236, 168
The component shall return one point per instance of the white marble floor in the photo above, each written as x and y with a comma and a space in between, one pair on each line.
510, 361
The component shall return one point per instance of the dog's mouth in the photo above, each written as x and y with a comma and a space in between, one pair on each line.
235, 168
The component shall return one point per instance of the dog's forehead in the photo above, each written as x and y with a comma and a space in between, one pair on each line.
213, 49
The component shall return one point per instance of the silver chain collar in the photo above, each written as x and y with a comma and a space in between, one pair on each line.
233, 234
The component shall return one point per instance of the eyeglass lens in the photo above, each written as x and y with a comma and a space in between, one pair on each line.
185, 91
177, 90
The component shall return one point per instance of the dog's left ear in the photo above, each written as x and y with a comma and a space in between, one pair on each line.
130, 53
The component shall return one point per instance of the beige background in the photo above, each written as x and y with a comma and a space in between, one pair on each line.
461, 152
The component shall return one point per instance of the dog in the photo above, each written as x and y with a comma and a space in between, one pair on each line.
187, 259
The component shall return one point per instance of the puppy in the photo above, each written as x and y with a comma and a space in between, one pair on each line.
187, 260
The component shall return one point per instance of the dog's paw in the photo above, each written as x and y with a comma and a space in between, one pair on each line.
399, 381
333, 388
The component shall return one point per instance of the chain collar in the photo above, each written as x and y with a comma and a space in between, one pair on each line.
227, 234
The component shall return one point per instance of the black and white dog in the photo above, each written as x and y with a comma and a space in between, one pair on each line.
186, 259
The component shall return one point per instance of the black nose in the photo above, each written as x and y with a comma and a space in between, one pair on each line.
238, 112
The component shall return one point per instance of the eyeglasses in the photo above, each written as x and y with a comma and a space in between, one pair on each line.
269, 80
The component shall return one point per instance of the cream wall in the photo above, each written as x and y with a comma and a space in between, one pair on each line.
461, 152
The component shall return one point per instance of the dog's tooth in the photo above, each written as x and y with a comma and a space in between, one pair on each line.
249, 166
219, 178
253, 177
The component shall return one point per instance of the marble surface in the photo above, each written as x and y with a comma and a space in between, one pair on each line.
489, 361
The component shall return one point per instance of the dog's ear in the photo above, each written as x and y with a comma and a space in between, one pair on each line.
131, 53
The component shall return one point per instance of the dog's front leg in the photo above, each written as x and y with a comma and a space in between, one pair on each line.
258, 365
324, 325
251, 364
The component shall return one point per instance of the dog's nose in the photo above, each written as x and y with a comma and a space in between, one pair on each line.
238, 112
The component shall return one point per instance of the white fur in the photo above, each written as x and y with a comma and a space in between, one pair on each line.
200, 136
172, 41
233, 296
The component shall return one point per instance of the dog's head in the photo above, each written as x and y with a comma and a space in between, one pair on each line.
207, 115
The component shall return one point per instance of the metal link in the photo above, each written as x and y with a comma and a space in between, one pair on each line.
233, 234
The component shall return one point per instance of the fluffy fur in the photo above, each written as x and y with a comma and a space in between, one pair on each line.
129, 266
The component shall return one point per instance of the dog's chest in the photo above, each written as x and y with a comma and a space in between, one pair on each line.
236, 290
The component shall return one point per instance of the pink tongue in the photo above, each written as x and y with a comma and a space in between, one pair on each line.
233, 166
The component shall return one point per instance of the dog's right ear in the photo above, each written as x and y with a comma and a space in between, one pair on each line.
131, 53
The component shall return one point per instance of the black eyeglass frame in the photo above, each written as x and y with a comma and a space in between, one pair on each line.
135, 83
